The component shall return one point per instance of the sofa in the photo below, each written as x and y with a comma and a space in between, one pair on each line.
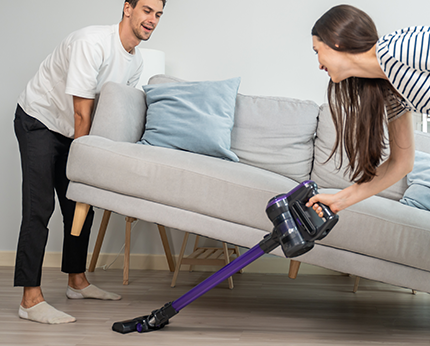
278, 142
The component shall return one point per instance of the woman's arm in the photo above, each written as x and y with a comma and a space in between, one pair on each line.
399, 163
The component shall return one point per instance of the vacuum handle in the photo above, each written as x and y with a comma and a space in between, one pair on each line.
304, 219
327, 213
315, 232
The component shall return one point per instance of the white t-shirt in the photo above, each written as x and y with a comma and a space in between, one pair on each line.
79, 66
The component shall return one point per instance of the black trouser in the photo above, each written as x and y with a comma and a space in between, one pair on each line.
43, 160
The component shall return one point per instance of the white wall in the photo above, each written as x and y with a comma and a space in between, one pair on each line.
267, 43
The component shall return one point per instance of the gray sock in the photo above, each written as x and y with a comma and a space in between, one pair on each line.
91, 292
45, 313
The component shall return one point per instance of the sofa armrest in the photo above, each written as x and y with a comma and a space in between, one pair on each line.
422, 141
120, 113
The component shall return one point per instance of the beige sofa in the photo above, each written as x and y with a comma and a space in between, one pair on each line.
279, 142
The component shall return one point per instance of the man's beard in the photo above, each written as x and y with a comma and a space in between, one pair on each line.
141, 37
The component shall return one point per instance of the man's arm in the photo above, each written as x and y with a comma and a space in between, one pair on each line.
83, 109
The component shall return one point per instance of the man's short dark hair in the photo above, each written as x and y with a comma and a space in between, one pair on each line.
133, 3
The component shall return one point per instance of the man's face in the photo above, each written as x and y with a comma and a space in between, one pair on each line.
144, 17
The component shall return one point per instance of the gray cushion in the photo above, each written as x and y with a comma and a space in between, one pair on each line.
192, 116
326, 174
120, 113
275, 133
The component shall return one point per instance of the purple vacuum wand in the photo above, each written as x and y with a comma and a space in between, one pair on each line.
296, 227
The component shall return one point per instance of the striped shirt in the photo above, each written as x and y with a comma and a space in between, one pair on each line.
404, 56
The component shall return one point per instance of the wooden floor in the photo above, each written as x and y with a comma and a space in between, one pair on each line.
262, 309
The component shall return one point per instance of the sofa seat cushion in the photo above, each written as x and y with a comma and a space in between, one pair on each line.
384, 229
211, 186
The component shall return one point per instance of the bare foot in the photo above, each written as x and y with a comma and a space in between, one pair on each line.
31, 297
78, 281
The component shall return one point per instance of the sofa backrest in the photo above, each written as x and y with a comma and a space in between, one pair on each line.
120, 113
273, 133
276, 134
422, 141
327, 176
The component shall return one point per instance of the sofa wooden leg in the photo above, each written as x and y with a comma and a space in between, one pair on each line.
81, 211
196, 245
166, 246
294, 269
227, 261
181, 255
99, 241
356, 283
237, 252
129, 221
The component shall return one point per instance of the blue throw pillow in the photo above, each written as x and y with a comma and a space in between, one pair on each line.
192, 116
418, 193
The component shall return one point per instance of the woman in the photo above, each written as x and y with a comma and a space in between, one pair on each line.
375, 84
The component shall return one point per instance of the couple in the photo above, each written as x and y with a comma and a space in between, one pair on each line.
371, 85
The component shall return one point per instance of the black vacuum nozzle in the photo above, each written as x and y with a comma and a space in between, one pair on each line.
143, 324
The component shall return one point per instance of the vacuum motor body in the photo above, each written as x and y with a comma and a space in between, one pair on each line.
295, 225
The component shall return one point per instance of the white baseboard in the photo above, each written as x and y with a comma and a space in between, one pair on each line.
266, 264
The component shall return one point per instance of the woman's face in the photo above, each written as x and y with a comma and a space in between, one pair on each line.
331, 61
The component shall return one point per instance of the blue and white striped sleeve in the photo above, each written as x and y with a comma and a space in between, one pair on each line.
395, 106
404, 57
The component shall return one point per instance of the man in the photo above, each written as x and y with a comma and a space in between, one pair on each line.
55, 108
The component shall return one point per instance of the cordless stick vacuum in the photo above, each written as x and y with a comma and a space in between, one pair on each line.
296, 227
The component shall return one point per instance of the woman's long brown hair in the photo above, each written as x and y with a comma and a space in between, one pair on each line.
357, 105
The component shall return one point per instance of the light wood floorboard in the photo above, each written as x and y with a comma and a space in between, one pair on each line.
262, 309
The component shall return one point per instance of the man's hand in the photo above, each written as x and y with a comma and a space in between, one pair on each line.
83, 109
